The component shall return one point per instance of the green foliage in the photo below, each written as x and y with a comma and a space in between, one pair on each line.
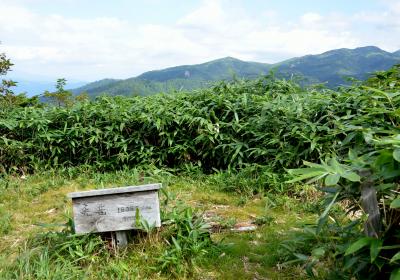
249, 180
61, 97
264, 220
5, 64
226, 126
7, 97
386, 80
188, 239
368, 178
82, 97
56, 256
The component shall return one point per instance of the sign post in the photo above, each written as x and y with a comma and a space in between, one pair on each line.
116, 210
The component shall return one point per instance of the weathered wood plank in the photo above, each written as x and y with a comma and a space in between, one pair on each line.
129, 189
115, 212
121, 238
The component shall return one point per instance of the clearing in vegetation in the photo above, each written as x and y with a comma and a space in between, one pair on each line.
236, 153
37, 241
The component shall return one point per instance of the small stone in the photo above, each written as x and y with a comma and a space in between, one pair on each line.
244, 226
51, 211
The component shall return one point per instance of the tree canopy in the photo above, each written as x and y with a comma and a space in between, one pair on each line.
7, 97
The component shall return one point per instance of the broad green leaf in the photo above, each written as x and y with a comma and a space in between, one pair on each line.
332, 179
396, 154
395, 275
307, 176
302, 171
390, 247
395, 257
301, 257
375, 90
322, 218
176, 243
318, 252
368, 137
385, 187
375, 248
395, 203
349, 262
337, 167
351, 176
121, 126
314, 165
359, 244
317, 178
348, 138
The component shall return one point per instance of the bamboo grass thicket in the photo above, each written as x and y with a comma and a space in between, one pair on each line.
337, 134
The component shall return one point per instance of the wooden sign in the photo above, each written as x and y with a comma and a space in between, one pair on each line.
116, 209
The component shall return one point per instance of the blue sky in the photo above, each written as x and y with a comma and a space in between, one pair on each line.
90, 40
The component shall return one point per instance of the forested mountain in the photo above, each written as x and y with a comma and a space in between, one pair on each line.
219, 69
331, 67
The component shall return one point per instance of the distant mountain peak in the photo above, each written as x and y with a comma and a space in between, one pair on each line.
369, 48
223, 59
359, 50
230, 58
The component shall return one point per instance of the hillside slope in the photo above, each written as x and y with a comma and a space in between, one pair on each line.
334, 66
186, 77
219, 69
331, 67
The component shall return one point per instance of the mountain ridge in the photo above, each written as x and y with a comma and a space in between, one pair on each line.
330, 67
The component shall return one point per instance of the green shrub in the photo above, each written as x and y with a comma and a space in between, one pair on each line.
188, 239
222, 127
365, 173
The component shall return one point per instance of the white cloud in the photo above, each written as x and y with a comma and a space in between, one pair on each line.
379, 28
311, 18
94, 48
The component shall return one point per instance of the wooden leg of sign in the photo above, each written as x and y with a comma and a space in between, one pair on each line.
121, 238
113, 240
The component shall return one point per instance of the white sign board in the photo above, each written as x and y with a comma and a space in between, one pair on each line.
116, 209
